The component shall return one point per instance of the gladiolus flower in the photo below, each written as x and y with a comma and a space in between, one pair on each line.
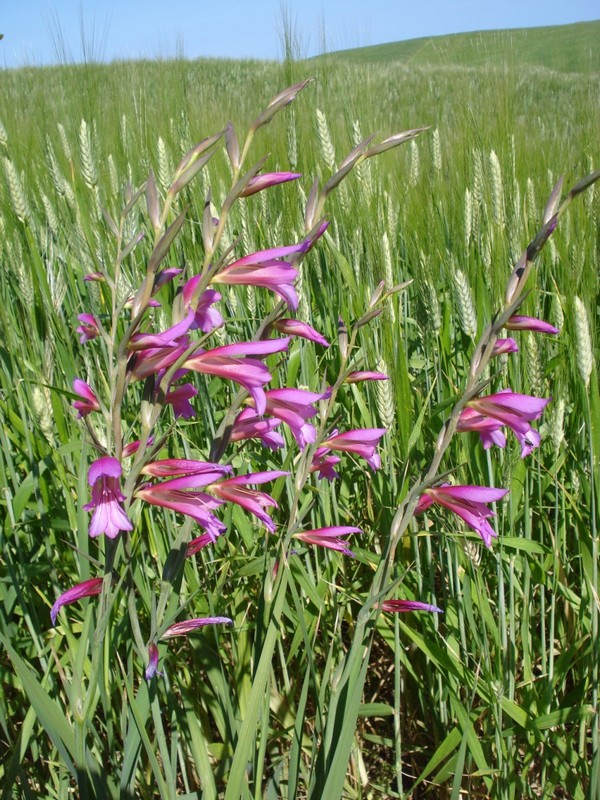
205, 317
502, 346
89, 401
332, 537
85, 589
197, 505
234, 490
132, 448
179, 398
152, 668
294, 407
249, 425
179, 493
189, 625
468, 502
361, 441
520, 323
228, 362
489, 429
109, 516
98, 277
266, 269
358, 376
293, 327
325, 464
267, 180
88, 329
507, 408
401, 606
199, 543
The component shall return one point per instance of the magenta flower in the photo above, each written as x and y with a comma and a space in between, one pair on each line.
180, 495
228, 362
266, 269
182, 470
468, 502
153, 352
89, 401
249, 425
132, 448
98, 277
194, 504
502, 346
205, 317
267, 180
489, 429
324, 464
401, 606
197, 544
511, 409
358, 376
234, 490
293, 327
109, 516
333, 537
362, 441
179, 398
152, 668
520, 323
88, 329
85, 589
189, 625
295, 407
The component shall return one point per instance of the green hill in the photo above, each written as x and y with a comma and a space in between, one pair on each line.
565, 48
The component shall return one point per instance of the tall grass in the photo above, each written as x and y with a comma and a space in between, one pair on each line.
499, 697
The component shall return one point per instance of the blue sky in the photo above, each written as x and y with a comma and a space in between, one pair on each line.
45, 31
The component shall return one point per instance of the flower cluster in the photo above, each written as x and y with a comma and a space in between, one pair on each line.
132, 469
487, 416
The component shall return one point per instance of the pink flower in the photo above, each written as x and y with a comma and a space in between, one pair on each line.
489, 429
468, 502
332, 537
362, 441
179, 398
132, 448
502, 346
199, 543
197, 505
189, 625
504, 408
293, 327
249, 425
109, 516
266, 269
267, 180
401, 606
357, 377
153, 352
88, 329
89, 401
295, 407
205, 317
325, 464
520, 323
85, 589
179, 493
228, 362
186, 472
234, 490
152, 668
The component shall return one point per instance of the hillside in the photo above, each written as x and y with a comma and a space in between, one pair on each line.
565, 48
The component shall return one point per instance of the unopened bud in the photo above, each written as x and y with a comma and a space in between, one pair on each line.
343, 338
